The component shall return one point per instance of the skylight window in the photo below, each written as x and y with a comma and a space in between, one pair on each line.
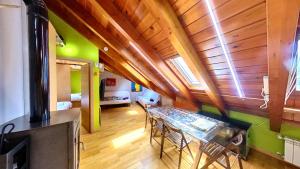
185, 71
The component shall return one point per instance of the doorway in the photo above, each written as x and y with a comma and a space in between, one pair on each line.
75, 89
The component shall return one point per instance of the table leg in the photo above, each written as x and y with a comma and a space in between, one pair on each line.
197, 158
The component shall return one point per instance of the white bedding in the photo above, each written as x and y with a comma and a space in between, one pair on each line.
75, 96
116, 97
63, 105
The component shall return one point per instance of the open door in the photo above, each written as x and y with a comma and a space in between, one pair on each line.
85, 97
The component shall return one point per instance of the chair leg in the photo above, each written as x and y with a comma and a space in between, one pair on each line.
210, 160
240, 161
146, 121
151, 130
187, 145
227, 161
197, 158
190, 151
162, 142
180, 153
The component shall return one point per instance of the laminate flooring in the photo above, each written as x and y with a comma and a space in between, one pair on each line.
123, 143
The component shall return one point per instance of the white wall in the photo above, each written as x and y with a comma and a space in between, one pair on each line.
122, 84
13, 90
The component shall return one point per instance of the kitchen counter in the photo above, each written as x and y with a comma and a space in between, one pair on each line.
57, 117
53, 144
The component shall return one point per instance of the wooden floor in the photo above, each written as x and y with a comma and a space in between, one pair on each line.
122, 143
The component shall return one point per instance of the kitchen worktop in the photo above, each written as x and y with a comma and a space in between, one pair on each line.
57, 117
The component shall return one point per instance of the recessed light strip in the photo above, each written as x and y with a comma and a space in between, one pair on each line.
150, 62
224, 48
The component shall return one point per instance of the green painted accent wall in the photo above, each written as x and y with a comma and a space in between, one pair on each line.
76, 81
261, 136
77, 46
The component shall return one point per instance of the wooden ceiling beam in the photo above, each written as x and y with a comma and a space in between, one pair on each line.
184, 47
115, 67
121, 70
123, 25
88, 26
282, 20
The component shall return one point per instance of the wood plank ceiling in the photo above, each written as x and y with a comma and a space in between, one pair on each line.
243, 24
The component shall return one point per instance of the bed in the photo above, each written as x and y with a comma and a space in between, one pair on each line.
76, 99
65, 105
148, 97
115, 98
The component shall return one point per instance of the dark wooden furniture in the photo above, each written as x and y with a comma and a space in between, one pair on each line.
54, 143
16, 154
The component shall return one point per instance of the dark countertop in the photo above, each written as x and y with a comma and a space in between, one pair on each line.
56, 118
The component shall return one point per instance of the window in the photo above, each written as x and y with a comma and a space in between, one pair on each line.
185, 71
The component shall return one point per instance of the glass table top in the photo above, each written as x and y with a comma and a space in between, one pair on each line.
202, 128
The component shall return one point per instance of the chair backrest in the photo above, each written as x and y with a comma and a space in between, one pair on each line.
171, 127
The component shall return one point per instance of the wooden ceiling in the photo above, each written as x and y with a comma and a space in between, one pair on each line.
151, 26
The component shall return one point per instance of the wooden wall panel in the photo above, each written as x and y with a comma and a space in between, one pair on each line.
240, 13
63, 82
245, 18
242, 33
185, 104
52, 68
243, 24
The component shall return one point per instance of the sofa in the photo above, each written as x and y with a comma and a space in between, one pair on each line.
148, 97
115, 98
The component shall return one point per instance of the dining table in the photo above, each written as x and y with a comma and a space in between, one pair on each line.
201, 128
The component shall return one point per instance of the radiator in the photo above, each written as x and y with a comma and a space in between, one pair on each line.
292, 151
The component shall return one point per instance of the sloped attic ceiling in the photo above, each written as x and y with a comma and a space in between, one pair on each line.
143, 35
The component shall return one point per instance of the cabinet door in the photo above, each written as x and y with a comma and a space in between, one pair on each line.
77, 146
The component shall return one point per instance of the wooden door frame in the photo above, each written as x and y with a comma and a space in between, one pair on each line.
91, 93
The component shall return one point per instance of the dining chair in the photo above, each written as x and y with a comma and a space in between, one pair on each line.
220, 154
156, 126
147, 115
177, 138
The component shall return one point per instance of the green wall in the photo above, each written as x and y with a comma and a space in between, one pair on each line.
79, 47
261, 137
76, 81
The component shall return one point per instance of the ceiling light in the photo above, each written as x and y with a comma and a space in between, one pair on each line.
224, 48
105, 49
150, 62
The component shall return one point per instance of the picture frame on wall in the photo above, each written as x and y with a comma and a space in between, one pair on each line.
136, 87
110, 82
